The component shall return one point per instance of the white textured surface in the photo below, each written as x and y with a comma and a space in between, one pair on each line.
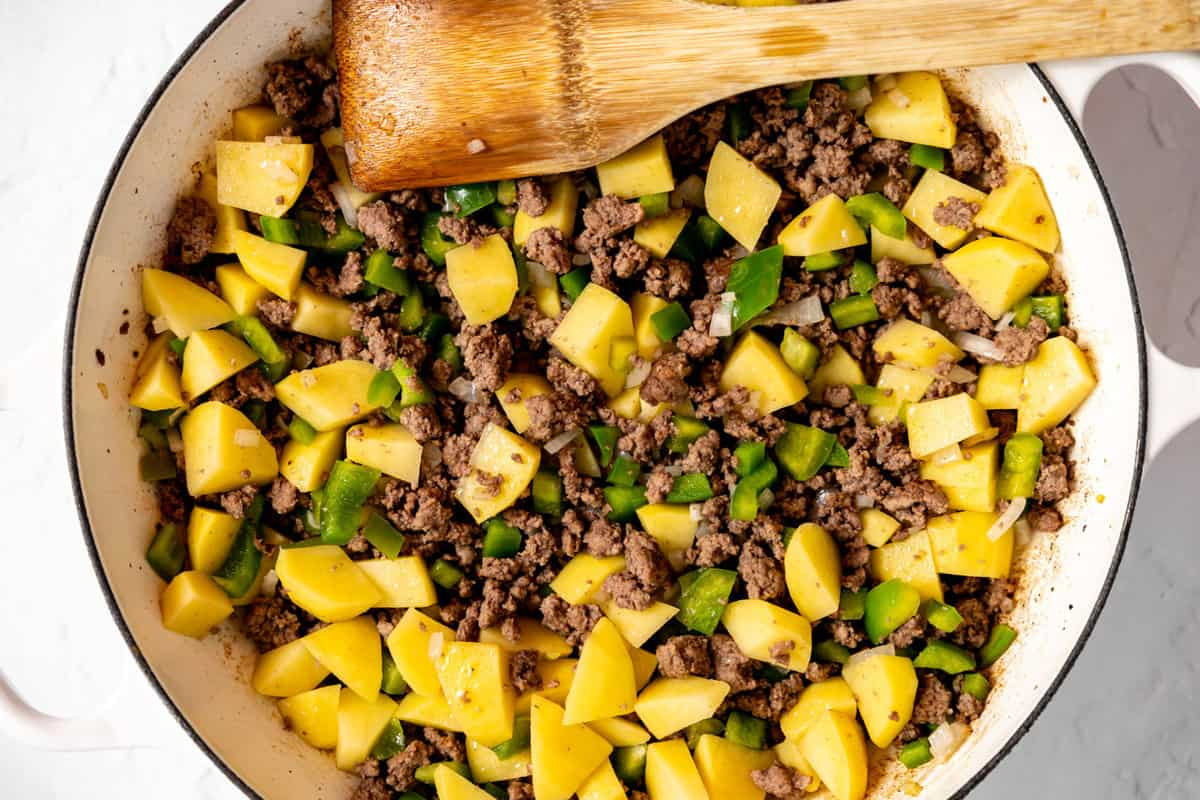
1124, 724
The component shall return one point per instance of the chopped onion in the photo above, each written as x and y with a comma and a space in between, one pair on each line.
927, 319
722, 318
888, 649
431, 456
739, 252
301, 359
947, 738
960, 374
938, 279
540, 277
864, 501
899, 98
978, 345
886, 82
160, 324
581, 259
464, 389
703, 529
476, 146
695, 509
342, 196
805, 311
1005, 321
174, 440
279, 171
561, 440
859, 99
435, 644
689, 193
766, 499
947, 455
674, 470
269, 582
246, 437
638, 373
1022, 533
1016, 507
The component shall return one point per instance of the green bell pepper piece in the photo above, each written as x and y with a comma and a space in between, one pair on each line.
346, 492
449, 352
852, 83
445, 574
819, 262
519, 741
425, 774
803, 450
301, 431
692, 487
867, 395
413, 390
670, 321
857, 309
754, 281
737, 123
393, 682
942, 655
624, 472
831, 652
390, 741
748, 456
863, 277
998, 642
704, 599
470, 197
711, 726
605, 437
746, 730
655, 205
744, 503
941, 616
166, 552
434, 326
1023, 312
874, 209
432, 242
547, 494
237, 574
889, 605
798, 96
503, 217
1049, 308
853, 605
178, 346
383, 536
838, 457
412, 312
928, 157
625, 501
381, 271
976, 685
506, 192
573, 282
500, 540
687, 430
1020, 467
383, 389
801, 355
157, 465
916, 753
630, 763
310, 235
259, 338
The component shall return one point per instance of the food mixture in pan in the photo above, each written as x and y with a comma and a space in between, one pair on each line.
695, 475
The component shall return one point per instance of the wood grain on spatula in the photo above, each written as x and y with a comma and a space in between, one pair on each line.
549, 86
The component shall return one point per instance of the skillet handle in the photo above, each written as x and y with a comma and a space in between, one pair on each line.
1174, 388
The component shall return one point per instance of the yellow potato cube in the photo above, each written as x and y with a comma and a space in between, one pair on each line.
321, 315
911, 561
584, 576
403, 582
999, 387
937, 424
641, 170
813, 569
638, 626
428, 711
313, 715
564, 200
534, 636
824, 226
739, 196
331, 396
306, 466
587, 333
240, 290
669, 524
209, 358
671, 773
498, 454
474, 680
229, 219
604, 681
817, 698
658, 234
933, 190
486, 766
903, 386
997, 272
287, 670
412, 646
512, 395
1020, 209
758, 365
325, 582
255, 123
668, 705
210, 534
961, 546
970, 483
912, 344
359, 723
352, 651
644, 306
602, 784
877, 527
193, 605
275, 266
390, 448
761, 630
223, 450
885, 688
644, 665
186, 307
563, 756
620, 732
557, 677
483, 279
725, 767
452, 786
834, 746
260, 177
334, 142
841, 369
916, 110
1055, 383
903, 250
157, 386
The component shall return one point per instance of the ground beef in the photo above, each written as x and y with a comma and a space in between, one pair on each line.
933, 701
666, 382
299, 89
645, 561
845, 634
270, 622
782, 782
962, 313
574, 622
668, 278
237, 502
383, 222
956, 212
909, 632
487, 354
522, 670
276, 311
531, 197
563, 374
712, 550
761, 570
547, 247
684, 656
605, 217
914, 502
462, 230
731, 666
445, 744
1054, 480
520, 790
1020, 345
658, 485
402, 767
191, 229
1044, 519
283, 495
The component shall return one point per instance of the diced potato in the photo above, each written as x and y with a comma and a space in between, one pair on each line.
482, 278
263, 178
658, 234
604, 681
669, 524
788, 753
474, 680
620, 732
525, 385
313, 715
209, 358
223, 450
997, 272
452, 786
630, 405
970, 483
644, 665
186, 307
903, 250
934, 189
325, 582
359, 723
758, 365
602, 784
877, 527
334, 142
193, 605
583, 577
157, 386
321, 315
961, 546
287, 670
534, 636
306, 466
240, 290
638, 626
486, 766
586, 334
428, 711
557, 677
840, 369
277, 267
813, 569
937, 424
916, 110
331, 396
229, 219
644, 306
563, 756
725, 767
1020, 209
760, 628
403, 582
912, 344
410, 645
885, 688
824, 226
255, 123
641, 170
910, 560
668, 705
390, 448
903, 385
503, 454
739, 196
817, 698
999, 387
210, 534
564, 199
671, 773
1055, 383
352, 651
834, 746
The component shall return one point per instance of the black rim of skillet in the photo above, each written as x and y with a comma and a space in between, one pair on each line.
144, 665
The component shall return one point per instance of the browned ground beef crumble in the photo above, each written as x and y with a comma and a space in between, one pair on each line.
823, 149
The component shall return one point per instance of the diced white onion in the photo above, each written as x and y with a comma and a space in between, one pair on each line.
431, 456
246, 437
703, 529
561, 440
864, 501
637, 374
345, 203
978, 345
279, 171
174, 440
739, 252
947, 455
805, 311
888, 649
689, 193
581, 259
947, 738
722, 319
927, 319
540, 277
476, 146
938, 279
1022, 533
1005, 321
899, 98
160, 324
1016, 507
886, 82
436, 640
674, 470
766, 499
960, 374
695, 509
269, 582
859, 99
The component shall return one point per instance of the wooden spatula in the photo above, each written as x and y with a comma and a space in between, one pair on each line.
452, 91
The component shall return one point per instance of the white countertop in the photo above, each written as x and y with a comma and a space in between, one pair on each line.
1124, 724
